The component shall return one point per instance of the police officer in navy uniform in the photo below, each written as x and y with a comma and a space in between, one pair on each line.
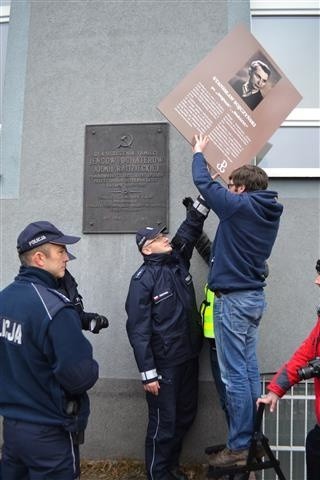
46, 363
164, 329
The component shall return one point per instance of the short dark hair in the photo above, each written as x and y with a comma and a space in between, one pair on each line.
258, 63
25, 257
251, 176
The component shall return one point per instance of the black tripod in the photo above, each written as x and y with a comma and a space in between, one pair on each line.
259, 449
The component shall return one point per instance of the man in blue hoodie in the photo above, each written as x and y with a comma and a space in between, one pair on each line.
46, 363
249, 217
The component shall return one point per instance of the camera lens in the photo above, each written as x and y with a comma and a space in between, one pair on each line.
305, 373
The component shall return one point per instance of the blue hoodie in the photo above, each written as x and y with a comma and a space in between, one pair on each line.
45, 359
248, 227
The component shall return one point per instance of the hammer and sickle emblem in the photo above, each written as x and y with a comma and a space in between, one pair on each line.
126, 141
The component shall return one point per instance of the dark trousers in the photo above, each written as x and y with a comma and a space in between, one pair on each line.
313, 454
38, 452
171, 414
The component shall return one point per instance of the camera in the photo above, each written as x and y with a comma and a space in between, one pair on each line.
312, 369
93, 321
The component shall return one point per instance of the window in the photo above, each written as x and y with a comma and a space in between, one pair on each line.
4, 27
290, 32
12, 92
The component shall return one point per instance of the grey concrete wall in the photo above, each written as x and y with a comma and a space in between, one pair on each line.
118, 422
99, 62
291, 294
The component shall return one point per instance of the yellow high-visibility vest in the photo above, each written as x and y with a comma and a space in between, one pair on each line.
207, 313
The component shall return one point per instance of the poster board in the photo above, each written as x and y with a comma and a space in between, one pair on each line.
214, 99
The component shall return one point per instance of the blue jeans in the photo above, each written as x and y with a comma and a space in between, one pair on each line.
236, 317
215, 368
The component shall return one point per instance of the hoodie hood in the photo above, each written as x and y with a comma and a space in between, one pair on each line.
244, 241
266, 205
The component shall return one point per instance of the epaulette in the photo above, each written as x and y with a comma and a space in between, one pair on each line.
60, 295
52, 300
139, 273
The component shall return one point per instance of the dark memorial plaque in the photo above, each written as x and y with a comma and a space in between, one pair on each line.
125, 177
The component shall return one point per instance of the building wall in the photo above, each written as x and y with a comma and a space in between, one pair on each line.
107, 62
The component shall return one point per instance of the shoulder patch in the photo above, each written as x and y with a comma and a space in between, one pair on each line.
139, 273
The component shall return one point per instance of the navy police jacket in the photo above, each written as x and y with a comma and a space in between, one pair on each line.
163, 322
45, 359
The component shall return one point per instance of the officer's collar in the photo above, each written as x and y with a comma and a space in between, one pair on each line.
160, 258
37, 275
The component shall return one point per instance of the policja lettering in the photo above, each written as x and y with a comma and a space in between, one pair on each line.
34, 241
11, 331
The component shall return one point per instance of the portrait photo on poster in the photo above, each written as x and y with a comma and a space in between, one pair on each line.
255, 79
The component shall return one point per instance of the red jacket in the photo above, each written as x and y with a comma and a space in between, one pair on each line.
288, 373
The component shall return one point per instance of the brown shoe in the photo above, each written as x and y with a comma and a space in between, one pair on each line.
212, 455
228, 458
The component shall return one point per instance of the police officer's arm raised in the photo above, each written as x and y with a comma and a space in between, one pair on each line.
153, 285
191, 229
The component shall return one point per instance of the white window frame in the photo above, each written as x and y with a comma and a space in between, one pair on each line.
284, 7
4, 18
4, 14
299, 117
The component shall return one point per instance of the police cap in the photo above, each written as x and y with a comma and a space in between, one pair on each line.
38, 233
148, 233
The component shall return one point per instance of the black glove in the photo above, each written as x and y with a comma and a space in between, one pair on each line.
318, 267
199, 204
93, 322
187, 202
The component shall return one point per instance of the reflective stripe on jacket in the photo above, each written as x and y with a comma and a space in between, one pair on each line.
207, 313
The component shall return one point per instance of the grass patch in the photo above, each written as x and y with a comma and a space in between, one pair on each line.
127, 469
